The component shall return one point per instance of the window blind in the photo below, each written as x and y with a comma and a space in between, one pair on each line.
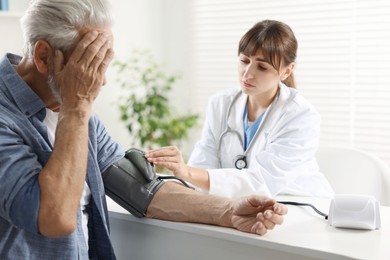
342, 66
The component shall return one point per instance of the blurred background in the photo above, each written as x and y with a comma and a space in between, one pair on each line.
342, 67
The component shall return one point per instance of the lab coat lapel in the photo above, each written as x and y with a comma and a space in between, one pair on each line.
236, 118
276, 114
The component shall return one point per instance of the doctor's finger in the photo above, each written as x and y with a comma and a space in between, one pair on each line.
163, 159
157, 149
169, 165
164, 151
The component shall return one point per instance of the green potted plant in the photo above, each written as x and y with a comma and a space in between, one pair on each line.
145, 108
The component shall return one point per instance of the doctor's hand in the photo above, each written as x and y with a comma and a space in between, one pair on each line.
257, 214
169, 157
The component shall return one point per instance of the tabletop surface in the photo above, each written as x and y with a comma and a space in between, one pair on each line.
303, 232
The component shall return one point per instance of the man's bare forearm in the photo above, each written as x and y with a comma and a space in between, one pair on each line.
62, 179
177, 203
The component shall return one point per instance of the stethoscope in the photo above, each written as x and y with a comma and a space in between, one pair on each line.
240, 161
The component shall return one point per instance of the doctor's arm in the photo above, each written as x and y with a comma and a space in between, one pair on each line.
204, 155
253, 214
287, 155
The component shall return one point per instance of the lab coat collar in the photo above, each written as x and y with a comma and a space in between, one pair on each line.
236, 117
285, 93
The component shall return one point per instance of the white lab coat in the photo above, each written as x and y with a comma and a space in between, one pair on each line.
281, 159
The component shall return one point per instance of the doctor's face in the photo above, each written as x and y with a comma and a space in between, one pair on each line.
256, 75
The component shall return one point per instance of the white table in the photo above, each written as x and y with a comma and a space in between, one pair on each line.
303, 235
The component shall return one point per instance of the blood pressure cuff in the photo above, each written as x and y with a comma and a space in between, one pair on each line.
131, 182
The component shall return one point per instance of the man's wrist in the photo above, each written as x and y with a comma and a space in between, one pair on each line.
227, 215
81, 110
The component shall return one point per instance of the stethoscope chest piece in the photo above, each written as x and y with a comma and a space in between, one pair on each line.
240, 162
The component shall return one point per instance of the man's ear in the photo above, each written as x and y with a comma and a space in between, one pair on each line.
43, 56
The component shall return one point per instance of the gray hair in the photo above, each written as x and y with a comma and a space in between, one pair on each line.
59, 21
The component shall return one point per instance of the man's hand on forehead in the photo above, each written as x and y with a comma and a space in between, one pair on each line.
84, 73
92, 49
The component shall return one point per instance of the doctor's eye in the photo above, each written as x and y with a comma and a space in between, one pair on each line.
245, 61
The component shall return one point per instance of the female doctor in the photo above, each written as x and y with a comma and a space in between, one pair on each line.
260, 138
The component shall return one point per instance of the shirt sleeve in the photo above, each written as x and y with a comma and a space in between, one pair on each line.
19, 188
108, 150
205, 153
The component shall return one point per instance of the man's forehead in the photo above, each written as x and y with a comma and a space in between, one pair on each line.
84, 31
105, 30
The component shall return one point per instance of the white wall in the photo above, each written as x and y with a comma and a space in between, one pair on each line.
137, 25
11, 34
158, 25
18, 5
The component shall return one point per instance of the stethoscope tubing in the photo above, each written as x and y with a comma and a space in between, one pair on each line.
230, 130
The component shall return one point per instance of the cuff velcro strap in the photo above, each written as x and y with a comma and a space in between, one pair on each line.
131, 182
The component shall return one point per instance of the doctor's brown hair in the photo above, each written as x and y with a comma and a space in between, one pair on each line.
275, 40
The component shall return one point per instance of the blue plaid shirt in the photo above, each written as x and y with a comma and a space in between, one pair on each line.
25, 149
